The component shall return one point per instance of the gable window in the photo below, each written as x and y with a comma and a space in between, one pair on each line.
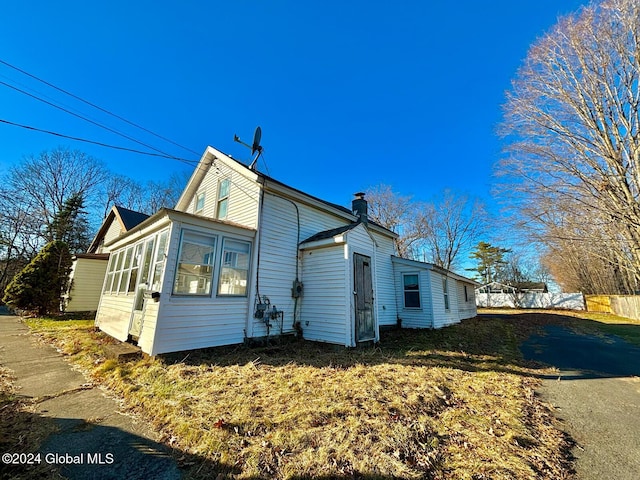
445, 291
235, 267
223, 198
411, 287
199, 203
194, 274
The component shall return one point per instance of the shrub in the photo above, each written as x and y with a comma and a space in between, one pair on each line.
39, 286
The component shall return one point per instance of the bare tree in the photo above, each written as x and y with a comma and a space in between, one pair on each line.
396, 213
449, 228
572, 125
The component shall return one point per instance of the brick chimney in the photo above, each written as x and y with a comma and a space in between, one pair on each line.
359, 208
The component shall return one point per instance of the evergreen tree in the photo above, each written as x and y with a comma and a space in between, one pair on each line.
70, 225
490, 260
40, 285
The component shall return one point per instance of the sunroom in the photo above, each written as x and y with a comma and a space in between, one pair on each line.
178, 282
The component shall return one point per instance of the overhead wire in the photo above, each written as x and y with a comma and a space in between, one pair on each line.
116, 147
104, 110
82, 117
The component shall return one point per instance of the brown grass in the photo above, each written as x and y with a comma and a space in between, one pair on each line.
456, 403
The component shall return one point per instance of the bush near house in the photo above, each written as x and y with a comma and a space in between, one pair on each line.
39, 286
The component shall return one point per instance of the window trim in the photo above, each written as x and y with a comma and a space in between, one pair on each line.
445, 292
223, 199
200, 195
405, 291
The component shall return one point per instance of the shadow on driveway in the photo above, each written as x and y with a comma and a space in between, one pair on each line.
580, 355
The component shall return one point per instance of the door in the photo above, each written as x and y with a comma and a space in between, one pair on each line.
363, 292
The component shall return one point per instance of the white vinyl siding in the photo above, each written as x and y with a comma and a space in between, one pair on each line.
242, 206
87, 277
326, 302
466, 304
387, 313
443, 316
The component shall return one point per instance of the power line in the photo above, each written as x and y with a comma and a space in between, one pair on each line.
96, 106
85, 118
161, 155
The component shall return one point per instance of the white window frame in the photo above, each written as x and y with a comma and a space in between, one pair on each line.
198, 206
223, 198
445, 292
229, 263
412, 291
180, 286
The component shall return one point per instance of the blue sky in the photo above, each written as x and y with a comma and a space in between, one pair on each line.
348, 94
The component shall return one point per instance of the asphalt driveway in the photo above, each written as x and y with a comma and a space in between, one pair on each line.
596, 393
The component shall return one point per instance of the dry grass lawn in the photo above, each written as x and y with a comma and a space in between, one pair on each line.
456, 403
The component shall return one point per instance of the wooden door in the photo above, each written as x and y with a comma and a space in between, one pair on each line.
363, 291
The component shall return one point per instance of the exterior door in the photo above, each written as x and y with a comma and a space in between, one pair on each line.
363, 291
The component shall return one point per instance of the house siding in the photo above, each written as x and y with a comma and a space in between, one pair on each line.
466, 308
87, 276
325, 304
113, 232
243, 196
385, 285
211, 321
114, 315
442, 316
414, 317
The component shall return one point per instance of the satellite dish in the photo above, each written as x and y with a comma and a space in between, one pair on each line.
256, 141
256, 149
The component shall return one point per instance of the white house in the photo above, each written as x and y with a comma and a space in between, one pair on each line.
88, 269
244, 256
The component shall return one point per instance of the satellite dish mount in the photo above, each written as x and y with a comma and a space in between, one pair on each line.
255, 147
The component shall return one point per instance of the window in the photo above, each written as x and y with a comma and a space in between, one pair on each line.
112, 265
235, 268
194, 274
135, 265
445, 291
223, 198
411, 290
199, 203
117, 274
466, 294
158, 266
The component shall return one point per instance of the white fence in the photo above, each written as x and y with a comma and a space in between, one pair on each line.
567, 301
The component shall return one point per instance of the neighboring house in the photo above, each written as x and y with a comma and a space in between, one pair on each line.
496, 287
243, 256
88, 269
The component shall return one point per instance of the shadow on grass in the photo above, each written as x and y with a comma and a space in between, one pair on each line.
527, 343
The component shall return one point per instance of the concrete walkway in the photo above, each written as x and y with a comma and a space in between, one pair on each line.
101, 442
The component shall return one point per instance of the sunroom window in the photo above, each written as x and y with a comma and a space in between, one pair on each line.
194, 274
411, 290
235, 267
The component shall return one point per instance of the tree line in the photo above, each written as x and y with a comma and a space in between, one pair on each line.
62, 195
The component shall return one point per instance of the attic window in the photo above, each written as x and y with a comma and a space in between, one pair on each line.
199, 203
223, 198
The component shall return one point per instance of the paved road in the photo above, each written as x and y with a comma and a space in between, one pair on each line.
597, 395
104, 443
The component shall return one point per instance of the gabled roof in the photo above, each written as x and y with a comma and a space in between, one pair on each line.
127, 219
211, 155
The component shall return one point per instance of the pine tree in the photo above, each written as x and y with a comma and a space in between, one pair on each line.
490, 262
39, 286
70, 225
